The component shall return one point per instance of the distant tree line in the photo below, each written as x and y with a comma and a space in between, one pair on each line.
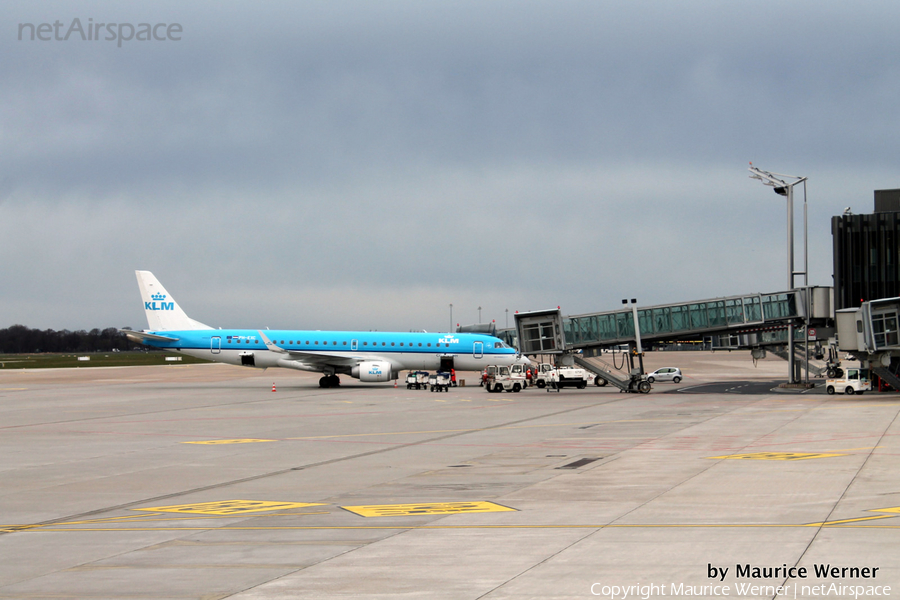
19, 339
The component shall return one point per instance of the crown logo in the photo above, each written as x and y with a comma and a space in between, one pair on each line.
158, 297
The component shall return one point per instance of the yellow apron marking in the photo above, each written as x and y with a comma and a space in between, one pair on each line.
894, 510
426, 508
228, 507
777, 456
214, 442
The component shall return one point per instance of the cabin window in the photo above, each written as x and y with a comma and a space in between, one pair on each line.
429, 344
317, 342
345, 343
334, 343
420, 344
365, 343
392, 343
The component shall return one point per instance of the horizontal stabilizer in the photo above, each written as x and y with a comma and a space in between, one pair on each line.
140, 336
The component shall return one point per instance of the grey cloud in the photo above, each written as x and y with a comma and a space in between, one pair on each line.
468, 150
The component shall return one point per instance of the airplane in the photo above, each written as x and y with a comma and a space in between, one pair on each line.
370, 356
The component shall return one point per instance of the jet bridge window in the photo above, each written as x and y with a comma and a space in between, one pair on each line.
884, 328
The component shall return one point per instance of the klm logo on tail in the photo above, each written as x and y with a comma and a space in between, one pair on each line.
158, 303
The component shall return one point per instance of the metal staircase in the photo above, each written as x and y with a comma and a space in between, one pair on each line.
814, 370
890, 374
602, 369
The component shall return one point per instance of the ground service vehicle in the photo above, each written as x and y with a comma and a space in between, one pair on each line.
520, 369
417, 380
854, 381
439, 382
562, 376
499, 378
665, 374
487, 372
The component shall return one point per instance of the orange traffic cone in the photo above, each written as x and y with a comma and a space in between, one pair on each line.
273, 386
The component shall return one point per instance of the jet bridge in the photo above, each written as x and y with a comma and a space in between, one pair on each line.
726, 316
871, 333
743, 321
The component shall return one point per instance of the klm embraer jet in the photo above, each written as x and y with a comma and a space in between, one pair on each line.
366, 355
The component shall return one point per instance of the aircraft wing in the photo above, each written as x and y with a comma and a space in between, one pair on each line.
311, 358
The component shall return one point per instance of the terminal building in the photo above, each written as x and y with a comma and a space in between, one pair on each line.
867, 284
866, 265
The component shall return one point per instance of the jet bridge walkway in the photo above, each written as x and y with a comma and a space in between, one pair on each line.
732, 316
690, 319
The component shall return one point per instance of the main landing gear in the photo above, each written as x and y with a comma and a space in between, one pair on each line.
328, 381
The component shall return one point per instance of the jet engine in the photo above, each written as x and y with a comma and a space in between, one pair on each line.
372, 371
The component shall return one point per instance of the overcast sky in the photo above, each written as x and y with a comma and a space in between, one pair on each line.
363, 165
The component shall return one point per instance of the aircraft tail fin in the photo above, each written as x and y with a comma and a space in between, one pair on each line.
163, 313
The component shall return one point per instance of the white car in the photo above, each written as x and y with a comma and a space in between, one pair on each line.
665, 374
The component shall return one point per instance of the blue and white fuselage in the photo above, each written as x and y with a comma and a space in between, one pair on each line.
366, 355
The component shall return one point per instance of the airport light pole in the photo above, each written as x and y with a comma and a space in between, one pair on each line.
507, 318
784, 186
479, 314
451, 317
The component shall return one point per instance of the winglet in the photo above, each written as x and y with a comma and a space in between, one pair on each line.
270, 345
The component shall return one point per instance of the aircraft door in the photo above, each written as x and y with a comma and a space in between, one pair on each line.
478, 350
215, 344
446, 364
